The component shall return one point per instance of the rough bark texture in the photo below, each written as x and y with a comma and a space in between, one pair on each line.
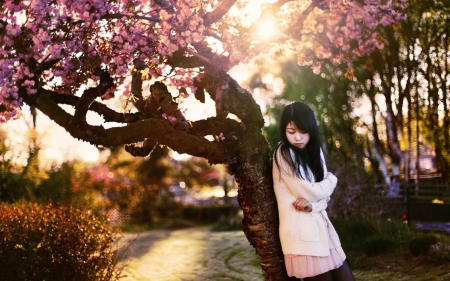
252, 171
250, 163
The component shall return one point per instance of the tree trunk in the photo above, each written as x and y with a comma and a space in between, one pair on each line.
417, 141
253, 173
249, 161
382, 164
377, 146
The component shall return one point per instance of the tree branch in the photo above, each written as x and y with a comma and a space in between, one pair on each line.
194, 61
218, 13
45, 65
144, 150
200, 58
89, 95
162, 3
158, 129
150, 107
165, 5
277, 5
108, 114
119, 16
216, 126
164, 98
232, 98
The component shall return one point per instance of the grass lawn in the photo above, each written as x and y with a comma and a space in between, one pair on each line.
400, 266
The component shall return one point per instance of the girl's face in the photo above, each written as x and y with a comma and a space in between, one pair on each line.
296, 137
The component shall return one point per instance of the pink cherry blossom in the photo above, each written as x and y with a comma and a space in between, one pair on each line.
168, 117
77, 36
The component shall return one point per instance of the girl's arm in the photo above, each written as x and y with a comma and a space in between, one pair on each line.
302, 204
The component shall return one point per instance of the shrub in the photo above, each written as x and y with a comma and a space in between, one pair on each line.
55, 243
353, 233
150, 206
377, 245
208, 213
421, 244
228, 223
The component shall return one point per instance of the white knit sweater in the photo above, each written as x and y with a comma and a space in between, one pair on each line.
303, 233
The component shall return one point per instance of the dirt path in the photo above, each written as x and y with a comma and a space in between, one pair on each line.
199, 254
191, 254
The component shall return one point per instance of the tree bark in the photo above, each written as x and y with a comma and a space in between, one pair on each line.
250, 163
252, 170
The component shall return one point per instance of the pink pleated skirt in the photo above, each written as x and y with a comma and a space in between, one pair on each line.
307, 266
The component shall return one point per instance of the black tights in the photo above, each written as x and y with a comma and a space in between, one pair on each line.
342, 273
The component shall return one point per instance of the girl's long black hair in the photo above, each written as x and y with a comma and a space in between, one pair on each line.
304, 119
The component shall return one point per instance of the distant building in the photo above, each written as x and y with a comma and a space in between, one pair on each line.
427, 163
427, 160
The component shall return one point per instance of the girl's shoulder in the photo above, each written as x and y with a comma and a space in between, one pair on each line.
282, 151
284, 156
277, 150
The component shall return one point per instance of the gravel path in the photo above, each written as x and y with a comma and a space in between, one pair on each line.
190, 254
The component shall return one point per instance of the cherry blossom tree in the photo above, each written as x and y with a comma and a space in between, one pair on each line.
82, 53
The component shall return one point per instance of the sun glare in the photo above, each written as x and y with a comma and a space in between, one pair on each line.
266, 28
250, 11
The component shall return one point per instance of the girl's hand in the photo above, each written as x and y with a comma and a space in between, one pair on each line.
301, 204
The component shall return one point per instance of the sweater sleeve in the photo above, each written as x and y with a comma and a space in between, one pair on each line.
320, 205
300, 188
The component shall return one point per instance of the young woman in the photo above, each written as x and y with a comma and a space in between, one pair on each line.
303, 186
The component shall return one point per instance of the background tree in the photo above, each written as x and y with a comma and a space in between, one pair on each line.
12, 183
21, 170
80, 53
153, 177
58, 186
434, 42
403, 86
195, 172
406, 83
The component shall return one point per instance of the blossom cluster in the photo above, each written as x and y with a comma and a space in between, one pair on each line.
78, 36
58, 44
346, 30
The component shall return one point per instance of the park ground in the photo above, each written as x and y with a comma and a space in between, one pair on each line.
197, 253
